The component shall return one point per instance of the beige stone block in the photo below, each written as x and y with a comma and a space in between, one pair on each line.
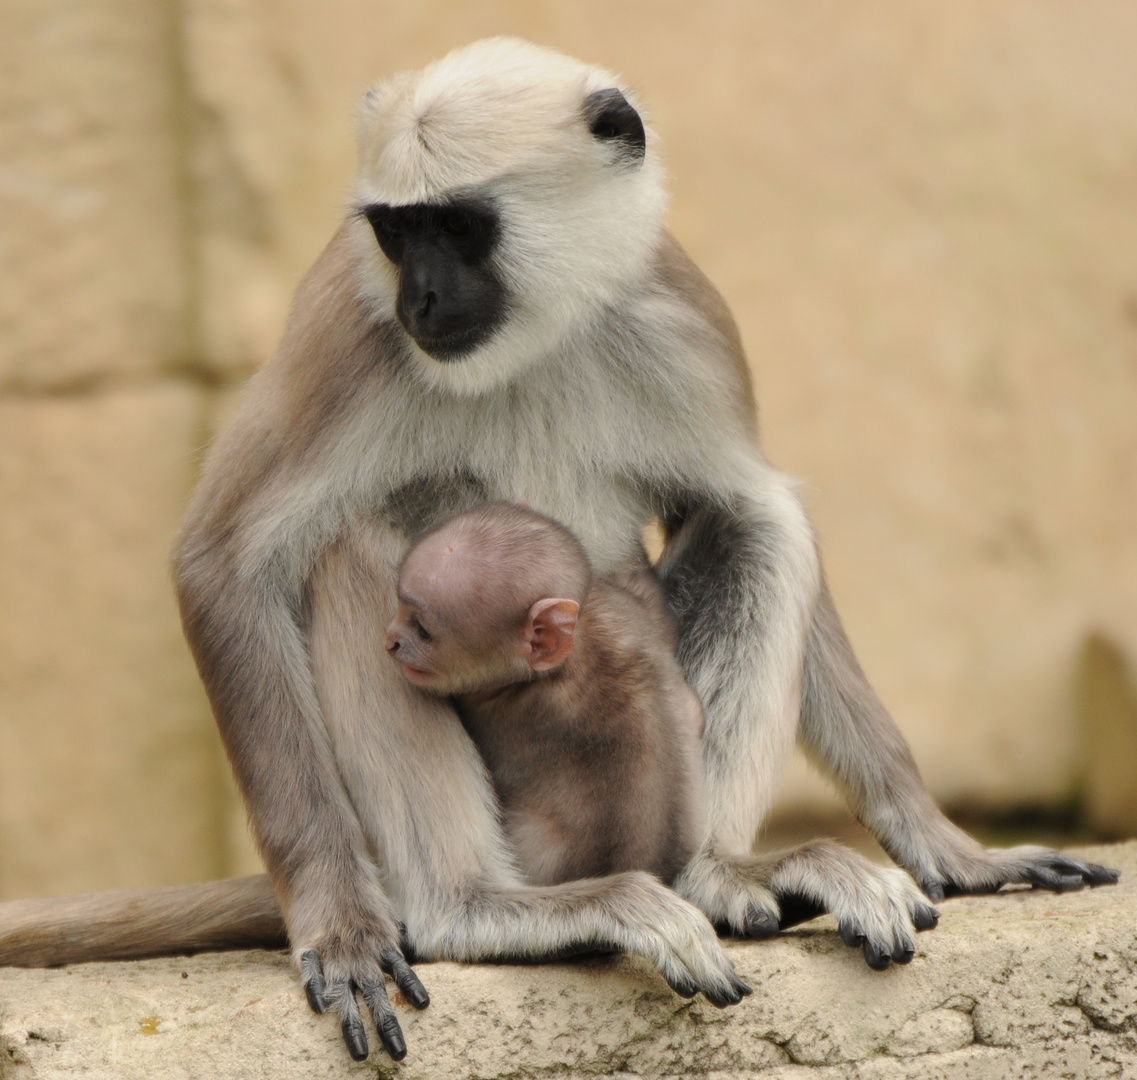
110, 767
248, 126
92, 194
1021, 985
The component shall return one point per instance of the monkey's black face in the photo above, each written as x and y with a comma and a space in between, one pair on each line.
451, 298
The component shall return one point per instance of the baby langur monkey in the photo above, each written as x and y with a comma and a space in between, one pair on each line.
569, 686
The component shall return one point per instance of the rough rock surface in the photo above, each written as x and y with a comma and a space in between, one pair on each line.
1021, 985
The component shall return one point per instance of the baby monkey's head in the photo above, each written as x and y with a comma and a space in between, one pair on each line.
488, 598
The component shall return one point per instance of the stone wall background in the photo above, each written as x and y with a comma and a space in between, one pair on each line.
923, 215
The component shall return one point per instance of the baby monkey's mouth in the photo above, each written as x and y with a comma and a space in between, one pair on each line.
417, 674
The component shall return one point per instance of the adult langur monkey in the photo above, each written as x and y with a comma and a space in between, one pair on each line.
503, 315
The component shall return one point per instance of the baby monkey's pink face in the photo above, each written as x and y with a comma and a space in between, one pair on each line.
443, 659
412, 646
450, 640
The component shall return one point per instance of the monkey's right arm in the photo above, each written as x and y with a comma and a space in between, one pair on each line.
241, 617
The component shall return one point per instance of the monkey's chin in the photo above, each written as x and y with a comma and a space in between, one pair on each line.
521, 343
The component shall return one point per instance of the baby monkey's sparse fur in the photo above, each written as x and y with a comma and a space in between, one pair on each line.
568, 684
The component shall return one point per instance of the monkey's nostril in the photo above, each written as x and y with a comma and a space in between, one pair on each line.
428, 301
392, 645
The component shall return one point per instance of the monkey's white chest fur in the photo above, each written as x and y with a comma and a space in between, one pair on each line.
575, 435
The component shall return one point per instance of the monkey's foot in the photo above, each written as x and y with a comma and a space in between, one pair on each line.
332, 974
877, 909
980, 870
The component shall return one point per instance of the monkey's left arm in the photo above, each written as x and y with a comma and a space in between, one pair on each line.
763, 647
742, 576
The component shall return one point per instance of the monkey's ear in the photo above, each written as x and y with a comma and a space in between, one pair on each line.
611, 119
549, 632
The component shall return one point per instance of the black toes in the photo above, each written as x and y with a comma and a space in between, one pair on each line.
926, 918
877, 958
312, 978
316, 1001
1089, 872
722, 998
1042, 877
405, 979
933, 890
759, 923
354, 1037
392, 1037
742, 988
683, 987
1062, 873
904, 954
851, 935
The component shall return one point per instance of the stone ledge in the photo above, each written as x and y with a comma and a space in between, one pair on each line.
1022, 985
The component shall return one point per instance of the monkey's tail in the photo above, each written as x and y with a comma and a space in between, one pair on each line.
238, 913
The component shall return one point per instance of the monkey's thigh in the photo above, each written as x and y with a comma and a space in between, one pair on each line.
412, 773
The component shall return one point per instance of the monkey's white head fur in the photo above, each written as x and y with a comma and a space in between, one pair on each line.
504, 119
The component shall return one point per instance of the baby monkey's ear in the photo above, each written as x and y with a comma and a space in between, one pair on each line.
549, 632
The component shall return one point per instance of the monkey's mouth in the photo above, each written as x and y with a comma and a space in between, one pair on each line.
454, 346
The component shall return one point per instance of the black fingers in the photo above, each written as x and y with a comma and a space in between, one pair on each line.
685, 988
351, 1024
1042, 877
933, 890
876, 957
312, 979
339, 994
759, 923
1043, 869
925, 917
386, 1023
730, 996
1090, 873
1100, 875
405, 979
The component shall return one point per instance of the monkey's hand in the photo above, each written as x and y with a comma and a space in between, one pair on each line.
653, 921
332, 973
630, 912
878, 909
963, 867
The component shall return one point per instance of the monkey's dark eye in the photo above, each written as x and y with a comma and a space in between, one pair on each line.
423, 633
388, 231
455, 223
